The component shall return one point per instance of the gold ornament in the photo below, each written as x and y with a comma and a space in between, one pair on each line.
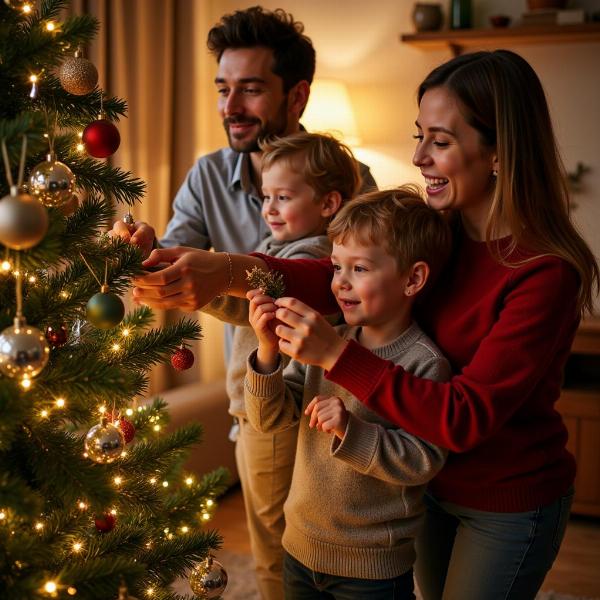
104, 443
270, 282
208, 579
52, 182
24, 350
23, 220
78, 75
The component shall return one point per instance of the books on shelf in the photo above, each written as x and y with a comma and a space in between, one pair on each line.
543, 16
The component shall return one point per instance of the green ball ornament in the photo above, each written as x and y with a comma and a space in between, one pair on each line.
23, 220
105, 310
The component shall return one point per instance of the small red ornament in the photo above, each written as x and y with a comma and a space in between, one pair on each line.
105, 522
127, 429
56, 335
101, 138
182, 359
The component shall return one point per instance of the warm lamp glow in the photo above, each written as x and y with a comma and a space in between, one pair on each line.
329, 109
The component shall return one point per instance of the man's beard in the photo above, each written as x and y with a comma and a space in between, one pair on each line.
269, 129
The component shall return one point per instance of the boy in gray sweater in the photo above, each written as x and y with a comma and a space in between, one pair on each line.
355, 502
305, 179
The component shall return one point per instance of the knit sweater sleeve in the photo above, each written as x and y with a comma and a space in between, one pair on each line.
393, 455
273, 404
537, 319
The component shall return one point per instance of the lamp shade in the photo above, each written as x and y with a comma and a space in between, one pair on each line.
329, 109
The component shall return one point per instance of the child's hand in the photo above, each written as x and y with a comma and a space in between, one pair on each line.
262, 318
305, 335
328, 414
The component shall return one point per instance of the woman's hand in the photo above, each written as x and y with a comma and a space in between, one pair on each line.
262, 319
306, 335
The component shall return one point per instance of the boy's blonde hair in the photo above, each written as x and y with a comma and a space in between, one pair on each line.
326, 164
401, 222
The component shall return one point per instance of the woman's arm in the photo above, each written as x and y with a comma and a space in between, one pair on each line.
525, 348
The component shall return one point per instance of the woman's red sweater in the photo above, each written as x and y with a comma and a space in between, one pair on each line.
507, 332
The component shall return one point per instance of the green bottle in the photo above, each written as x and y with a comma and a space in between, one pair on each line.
460, 14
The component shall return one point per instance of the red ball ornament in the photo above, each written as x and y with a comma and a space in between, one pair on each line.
101, 138
127, 429
56, 335
182, 359
105, 523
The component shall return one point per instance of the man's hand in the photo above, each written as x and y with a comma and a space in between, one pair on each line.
328, 414
262, 319
306, 335
192, 280
139, 234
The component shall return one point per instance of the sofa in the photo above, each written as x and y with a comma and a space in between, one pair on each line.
205, 403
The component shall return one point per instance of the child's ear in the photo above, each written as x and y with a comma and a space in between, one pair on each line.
417, 278
330, 204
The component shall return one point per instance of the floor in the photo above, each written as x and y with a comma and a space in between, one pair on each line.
576, 571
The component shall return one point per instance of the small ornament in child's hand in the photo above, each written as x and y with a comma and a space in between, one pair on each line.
56, 335
182, 359
270, 282
105, 523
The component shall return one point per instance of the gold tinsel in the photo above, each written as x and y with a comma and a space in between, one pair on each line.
270, 282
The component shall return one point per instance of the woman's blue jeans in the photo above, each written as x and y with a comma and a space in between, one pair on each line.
466, 554
302, 583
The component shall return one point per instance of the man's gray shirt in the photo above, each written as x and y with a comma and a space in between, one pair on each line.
219, 207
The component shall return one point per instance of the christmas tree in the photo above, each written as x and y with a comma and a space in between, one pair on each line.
94, 501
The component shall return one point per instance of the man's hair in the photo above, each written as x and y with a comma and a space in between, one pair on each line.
326, 164
293, 52
401, 222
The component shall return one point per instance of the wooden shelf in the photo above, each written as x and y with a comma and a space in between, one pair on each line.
459, 39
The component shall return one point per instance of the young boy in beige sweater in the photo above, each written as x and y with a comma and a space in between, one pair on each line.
355, 502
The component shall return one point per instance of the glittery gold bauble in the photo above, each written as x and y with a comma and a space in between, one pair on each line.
52, 182
78, 75
208, 579
104, 443
24, 350
23, 220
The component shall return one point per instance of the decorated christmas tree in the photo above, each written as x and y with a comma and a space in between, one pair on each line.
94, 500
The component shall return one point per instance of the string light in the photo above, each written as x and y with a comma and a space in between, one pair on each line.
113, 512
153, 480
129, 412
125, 332
77, 546
150, 591
39, 526
116, 347
27, 8
118, 480
64, 294
165, 484
157, 428
102, 410
189, 481
185, 529
50, 26
50, 587
60, 402
82, 505
32, 279
71, 591
44, 414
6, 266
205, 516
210, 502
25, 382
2, 515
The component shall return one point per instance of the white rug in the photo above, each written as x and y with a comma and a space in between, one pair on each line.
242, 585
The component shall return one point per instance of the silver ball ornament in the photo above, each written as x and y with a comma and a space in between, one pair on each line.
23, 220
208, 579
104, 443
52, 182
78, 75
24, 350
